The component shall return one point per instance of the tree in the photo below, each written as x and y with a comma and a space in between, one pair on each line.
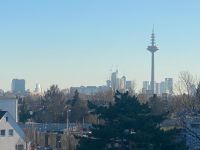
24, 112
79, 109
186, 89
198, 91
129, 125
157, 105
198, 95
76, 98
186, 84
186, 104
53, 106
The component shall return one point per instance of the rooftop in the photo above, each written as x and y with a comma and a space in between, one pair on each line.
2, 113
6, 97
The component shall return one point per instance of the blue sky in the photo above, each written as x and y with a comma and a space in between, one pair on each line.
77, 42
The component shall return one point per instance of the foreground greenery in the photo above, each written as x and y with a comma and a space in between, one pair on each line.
53, 107
129, 125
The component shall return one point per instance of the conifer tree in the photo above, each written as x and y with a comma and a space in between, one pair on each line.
129, 125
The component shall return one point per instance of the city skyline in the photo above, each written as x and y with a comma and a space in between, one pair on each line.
77, 43
115, 82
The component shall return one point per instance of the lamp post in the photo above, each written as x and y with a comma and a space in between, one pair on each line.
68, 110
31, 114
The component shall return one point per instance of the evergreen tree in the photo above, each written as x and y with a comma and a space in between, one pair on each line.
53, 106
129, 125
76, 98
79, 109
24, 112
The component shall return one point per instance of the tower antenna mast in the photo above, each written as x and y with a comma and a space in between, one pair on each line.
152, 49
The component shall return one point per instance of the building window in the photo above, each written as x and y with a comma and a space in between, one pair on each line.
6, 119
10, 132
19, 147
2, 132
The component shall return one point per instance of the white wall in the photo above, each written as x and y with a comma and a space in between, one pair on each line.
9, 142
10, 105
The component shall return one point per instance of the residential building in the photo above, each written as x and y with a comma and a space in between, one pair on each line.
10, 105
12, 136
192, 132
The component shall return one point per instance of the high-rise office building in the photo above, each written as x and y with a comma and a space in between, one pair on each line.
166, 86
130, 86
38, 88
18, 86
145, 86
122, 84
162, 87
114, 80
157, 88
169, 85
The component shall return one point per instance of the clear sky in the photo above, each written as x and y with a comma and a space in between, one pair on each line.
77, 42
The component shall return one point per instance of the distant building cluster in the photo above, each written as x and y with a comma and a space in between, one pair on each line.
165, 86
18, 88
114, 84
89, 90
120, 84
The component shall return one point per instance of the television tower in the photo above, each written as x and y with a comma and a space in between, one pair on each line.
152, 48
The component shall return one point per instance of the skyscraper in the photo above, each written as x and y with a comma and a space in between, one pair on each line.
130, 86
169, 85
145, 86
114, 80
18, 86
152, 48
122, 85
37, 88
162, 87
158, 88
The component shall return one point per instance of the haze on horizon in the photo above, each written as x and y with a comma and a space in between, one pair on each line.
73, 43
